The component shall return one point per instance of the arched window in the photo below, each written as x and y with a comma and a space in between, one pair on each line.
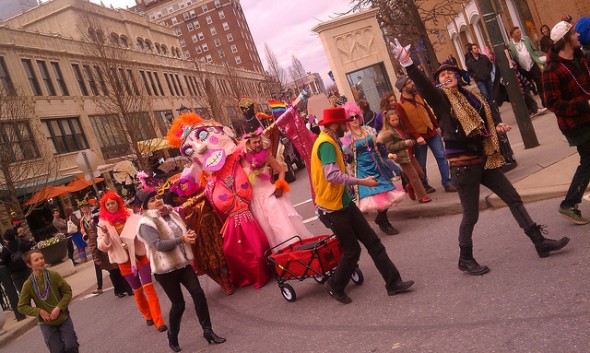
124, 41
140, 45
114, 38
96, 36
164, 50
148, 45
157, 45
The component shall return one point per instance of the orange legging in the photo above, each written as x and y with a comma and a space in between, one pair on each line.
141, 282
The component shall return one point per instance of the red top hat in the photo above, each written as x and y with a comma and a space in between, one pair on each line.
334, 115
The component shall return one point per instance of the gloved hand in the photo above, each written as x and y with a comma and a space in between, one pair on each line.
401, 54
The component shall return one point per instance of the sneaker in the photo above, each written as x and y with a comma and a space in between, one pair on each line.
573, 214
429, 189
341, 297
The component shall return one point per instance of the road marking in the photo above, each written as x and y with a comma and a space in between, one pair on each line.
87, 296
302, 203
310, 219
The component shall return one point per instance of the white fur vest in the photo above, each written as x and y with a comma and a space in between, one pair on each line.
165, 261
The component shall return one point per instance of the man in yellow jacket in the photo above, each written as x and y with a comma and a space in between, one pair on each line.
338, 213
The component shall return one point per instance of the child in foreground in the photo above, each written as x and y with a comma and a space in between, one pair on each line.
51, 295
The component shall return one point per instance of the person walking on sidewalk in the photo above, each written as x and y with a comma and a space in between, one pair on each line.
51, 295
135, 267
480, 69
343, 217
422, 126
567, 93
470, 128
523, 52
169, 249
61, 225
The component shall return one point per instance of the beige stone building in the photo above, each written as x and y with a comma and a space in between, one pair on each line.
47, 62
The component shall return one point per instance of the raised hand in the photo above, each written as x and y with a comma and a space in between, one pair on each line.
401, 54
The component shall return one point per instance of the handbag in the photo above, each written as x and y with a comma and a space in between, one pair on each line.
72, 227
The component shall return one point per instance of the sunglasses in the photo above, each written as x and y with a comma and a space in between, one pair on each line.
354, 117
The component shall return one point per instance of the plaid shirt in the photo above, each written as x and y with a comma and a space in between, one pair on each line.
564, 83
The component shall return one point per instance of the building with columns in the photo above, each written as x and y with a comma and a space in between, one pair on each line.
48, 63
312, 82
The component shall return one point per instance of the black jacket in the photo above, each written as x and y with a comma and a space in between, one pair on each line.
480, 69
452, 132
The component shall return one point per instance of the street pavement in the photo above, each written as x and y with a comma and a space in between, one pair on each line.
525, 304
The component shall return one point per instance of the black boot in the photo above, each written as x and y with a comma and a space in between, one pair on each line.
543, 245
173, 342
384, 224
468, 264
211, 337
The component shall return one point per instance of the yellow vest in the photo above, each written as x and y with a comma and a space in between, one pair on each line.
418, 115
327, 195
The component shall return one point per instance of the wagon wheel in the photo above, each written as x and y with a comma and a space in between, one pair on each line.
321, 279
288, 293
357, 277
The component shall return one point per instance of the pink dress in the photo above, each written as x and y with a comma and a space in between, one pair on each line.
276, 215
244, 242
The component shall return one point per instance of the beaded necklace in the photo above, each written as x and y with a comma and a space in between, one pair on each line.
574, 77
43, 296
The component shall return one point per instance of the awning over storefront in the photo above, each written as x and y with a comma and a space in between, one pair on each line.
31, 187
47, 193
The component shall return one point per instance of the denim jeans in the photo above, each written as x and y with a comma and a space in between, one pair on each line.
580, 179
467, 180
350, 226
438, 150
60, 338
485, 88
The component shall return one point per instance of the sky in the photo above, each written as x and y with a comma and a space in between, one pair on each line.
285, 25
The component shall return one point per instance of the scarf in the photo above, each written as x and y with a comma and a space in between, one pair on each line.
473, 124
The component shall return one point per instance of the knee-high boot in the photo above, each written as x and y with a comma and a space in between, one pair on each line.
544, 246
142, 304
154, 305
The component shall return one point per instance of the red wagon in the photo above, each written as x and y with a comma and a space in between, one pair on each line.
315, 257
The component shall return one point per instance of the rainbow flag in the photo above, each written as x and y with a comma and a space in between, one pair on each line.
277, 107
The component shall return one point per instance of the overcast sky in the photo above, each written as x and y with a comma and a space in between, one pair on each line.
285, 25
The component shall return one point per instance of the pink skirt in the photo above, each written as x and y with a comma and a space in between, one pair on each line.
382, 201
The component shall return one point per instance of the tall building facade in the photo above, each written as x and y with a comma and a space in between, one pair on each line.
49, 65
211, 31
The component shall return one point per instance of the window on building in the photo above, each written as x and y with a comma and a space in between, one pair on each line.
217, 4
179, 85
225, 26
201, 36
221, 15
59, 78
114, 39
140, 45
65, 135
167, 77
221, 54
182, 43
158, 49
194, 38
100, 78
213, 31
124, 41
90, 79
234, 48
164, 50
32, 77
178, 32
125, 80
115, 78
148, 45
192, 13
217, 42
238, 60
159, 83
46, 78
197, 25
17, 139
186, 16
152, 83
80, 79
205, 8
208, 20
230, 37
174, 21
190, 27
133, 83
6, 85
145, 82
209, 58
111, 138
188, 85
164, 118
197, 87
144, 130
205, 47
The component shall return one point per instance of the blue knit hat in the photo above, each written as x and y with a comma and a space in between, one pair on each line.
583, 27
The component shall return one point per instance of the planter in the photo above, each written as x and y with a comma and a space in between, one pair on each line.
56, 253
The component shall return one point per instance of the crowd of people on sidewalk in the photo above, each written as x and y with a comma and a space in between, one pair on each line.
230, 208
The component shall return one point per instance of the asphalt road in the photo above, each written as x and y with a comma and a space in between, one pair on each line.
525, 304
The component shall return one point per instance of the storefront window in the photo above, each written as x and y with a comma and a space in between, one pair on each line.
369, 83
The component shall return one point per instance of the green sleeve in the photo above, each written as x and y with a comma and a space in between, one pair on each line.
327, 153
64, 289
24, 301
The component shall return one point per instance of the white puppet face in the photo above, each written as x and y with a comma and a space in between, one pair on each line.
209, 146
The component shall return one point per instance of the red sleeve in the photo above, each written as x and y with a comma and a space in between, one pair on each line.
406, 122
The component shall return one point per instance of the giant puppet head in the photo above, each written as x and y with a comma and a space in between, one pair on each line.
206, 142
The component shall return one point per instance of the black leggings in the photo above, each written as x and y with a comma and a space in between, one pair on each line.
171, 282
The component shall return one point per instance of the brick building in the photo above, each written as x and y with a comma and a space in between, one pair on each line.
211, 31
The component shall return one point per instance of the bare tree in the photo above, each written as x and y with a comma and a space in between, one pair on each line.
24, 161
296, 70
275, 70
112, 74
408, 20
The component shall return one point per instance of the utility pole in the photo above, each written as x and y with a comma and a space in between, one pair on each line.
527, 131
